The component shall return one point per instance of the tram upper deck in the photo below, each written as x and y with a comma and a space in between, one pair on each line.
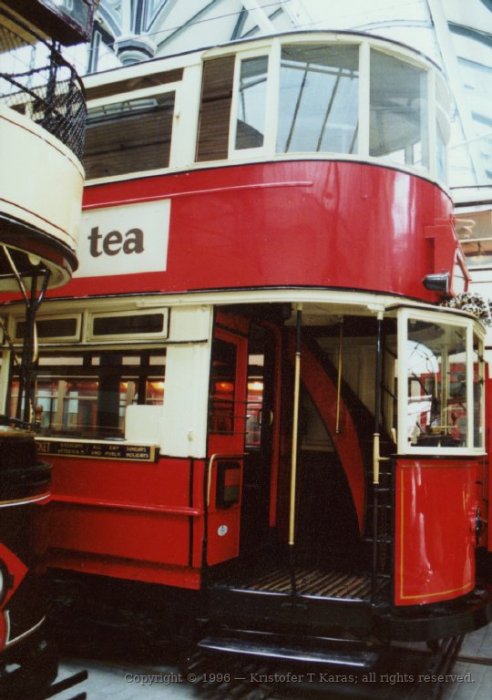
285, 160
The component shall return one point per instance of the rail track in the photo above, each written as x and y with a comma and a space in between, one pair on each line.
403, 673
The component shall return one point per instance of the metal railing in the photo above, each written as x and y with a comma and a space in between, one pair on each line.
38, 82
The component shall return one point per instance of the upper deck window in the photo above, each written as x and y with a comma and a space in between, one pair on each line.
129, 136
251, 104
335, 95
215, 106
398, 111
318, 106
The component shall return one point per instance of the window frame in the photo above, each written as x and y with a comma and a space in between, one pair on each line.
130, 96
361, 95
472, 328
187, 101
89, 370
92, 337
272, 53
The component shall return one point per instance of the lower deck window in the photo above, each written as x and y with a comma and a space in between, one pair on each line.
445, 380
85, 394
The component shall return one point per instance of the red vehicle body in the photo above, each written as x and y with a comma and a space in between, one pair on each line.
231, 383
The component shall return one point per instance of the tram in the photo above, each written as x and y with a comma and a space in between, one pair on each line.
266, 425
42, 116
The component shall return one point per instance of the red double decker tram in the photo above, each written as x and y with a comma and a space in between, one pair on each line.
259, 413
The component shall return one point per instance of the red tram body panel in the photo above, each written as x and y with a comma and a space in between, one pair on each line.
253, 392
427, 568
296, 223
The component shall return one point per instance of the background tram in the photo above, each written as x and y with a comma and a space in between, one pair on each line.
258, 414
42, 120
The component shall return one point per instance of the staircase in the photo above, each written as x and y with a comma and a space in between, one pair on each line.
378, 521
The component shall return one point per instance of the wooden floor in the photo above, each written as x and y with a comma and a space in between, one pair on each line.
309, 582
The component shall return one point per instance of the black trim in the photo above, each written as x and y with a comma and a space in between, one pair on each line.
317, 615
437, 621
257, 608
15, 232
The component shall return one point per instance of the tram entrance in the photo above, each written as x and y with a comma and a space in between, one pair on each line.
321, 577
305, 523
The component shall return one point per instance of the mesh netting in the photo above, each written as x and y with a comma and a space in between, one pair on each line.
36, 81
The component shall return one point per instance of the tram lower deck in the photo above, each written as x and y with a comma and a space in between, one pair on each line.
334, 484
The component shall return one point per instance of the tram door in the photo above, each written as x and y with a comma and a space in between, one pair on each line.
259, 441
226, 437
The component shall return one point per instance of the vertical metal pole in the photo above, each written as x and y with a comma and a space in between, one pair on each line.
376, 454
26, 394
295, 429
377, 396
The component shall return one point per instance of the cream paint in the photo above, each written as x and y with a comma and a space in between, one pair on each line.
49, 195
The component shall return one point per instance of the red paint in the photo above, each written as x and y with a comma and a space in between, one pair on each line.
487, 486
224, 524
128, 519
436, 504
344, 224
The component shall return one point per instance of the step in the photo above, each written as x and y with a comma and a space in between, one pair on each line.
282, 651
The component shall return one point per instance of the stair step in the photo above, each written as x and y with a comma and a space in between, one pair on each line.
336, 657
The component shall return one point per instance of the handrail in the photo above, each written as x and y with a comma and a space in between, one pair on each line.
49, 92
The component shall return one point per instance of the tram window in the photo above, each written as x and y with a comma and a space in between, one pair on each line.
318, 107
251, 103
398, 111
255, 400
478, 392
106, 325
223, 384
438, 410
129, 136
215, 107
85, 394
49, 328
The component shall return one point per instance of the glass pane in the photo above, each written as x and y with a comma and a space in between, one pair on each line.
50, 328
478, 392
437, 413
441, 152
398, 111
129, 136
128, 325
255, 400
318, 106
86, 394
250, 124
223, 384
